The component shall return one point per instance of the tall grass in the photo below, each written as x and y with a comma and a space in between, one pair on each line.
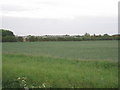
86, 64
55, 72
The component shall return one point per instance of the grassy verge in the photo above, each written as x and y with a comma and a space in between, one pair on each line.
44, 72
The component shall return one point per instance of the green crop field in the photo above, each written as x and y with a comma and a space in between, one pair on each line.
83, 64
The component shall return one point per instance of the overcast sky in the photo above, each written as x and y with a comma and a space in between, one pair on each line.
40, 17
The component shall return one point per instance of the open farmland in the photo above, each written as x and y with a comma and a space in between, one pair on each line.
83, 64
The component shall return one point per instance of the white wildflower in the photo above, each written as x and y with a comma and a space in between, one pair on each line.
43, 85
18, 78
24, 78
32, 86
24, 81
24, 84
39, 86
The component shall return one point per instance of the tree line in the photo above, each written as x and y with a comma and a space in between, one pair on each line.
8, 36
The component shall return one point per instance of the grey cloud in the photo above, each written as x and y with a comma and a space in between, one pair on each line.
81, 25
12, 8
52, 3
16, 8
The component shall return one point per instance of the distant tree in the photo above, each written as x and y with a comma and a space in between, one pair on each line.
9, 39
67, 35
32, 38
87, 36
93, 37
8, 36
116, 37
7, 33
106, 37
19, 39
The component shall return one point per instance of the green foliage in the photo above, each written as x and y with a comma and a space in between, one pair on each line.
9, 39
49, 72
85, 64
106, 37
19, 39
7, 36
6, 33
85, 37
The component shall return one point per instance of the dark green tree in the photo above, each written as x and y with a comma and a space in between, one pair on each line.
19, 39
87, 36
7, 36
